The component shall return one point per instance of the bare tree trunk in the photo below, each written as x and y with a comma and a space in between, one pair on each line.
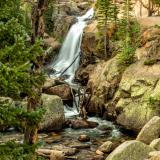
30, 136
149, 8
37, 19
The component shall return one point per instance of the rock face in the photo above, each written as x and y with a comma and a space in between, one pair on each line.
149, 44
62, 25
155, 144
53, 119
130, 150
89, 43
104, 81
64, 15
150, 131
138, 95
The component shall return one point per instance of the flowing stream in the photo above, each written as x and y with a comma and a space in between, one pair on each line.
66, 65
68, 58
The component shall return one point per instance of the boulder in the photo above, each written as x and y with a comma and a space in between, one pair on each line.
155, 155
103, 82
54, 118
50, 82
63, 91
130, 150
98, 157
106, 147
68, 151
138, 95
84, 138
155, 144
57, 155
80, 124
150, 131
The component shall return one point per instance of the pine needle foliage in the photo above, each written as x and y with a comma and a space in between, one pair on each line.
106, 14
128, 31
17, 78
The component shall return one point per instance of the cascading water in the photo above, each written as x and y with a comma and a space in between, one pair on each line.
68, 59
66, 65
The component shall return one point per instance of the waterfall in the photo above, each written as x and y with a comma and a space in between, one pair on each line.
68, 58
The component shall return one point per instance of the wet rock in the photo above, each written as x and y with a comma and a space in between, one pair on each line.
107, 147
105, 128
82, 75
81, 146
80, 123
99, 152
50, 82
98, 157
84, 138
130, 150
57, 155
155, 144
53, 119
52, 137
83, 5
63, 91
68, 151
150, 131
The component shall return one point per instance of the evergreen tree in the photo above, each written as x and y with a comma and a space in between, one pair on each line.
106, 14
18, 78
128, 32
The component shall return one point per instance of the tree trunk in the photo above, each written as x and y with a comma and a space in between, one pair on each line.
30, 136
37, 19
149, 8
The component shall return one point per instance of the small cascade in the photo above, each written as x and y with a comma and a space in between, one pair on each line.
65, 65
68, 58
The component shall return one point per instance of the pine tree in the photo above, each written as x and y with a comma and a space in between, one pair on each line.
18, 78
128, 30
106, 14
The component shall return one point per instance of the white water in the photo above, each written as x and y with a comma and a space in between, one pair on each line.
68, 59
67, 63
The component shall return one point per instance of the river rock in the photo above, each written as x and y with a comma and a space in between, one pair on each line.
84, 138
80, 124
50, 82
63, 91
150, 131
130, 150
155, 144
106, 147
57, 155
68, 151
53, 119
98, 157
